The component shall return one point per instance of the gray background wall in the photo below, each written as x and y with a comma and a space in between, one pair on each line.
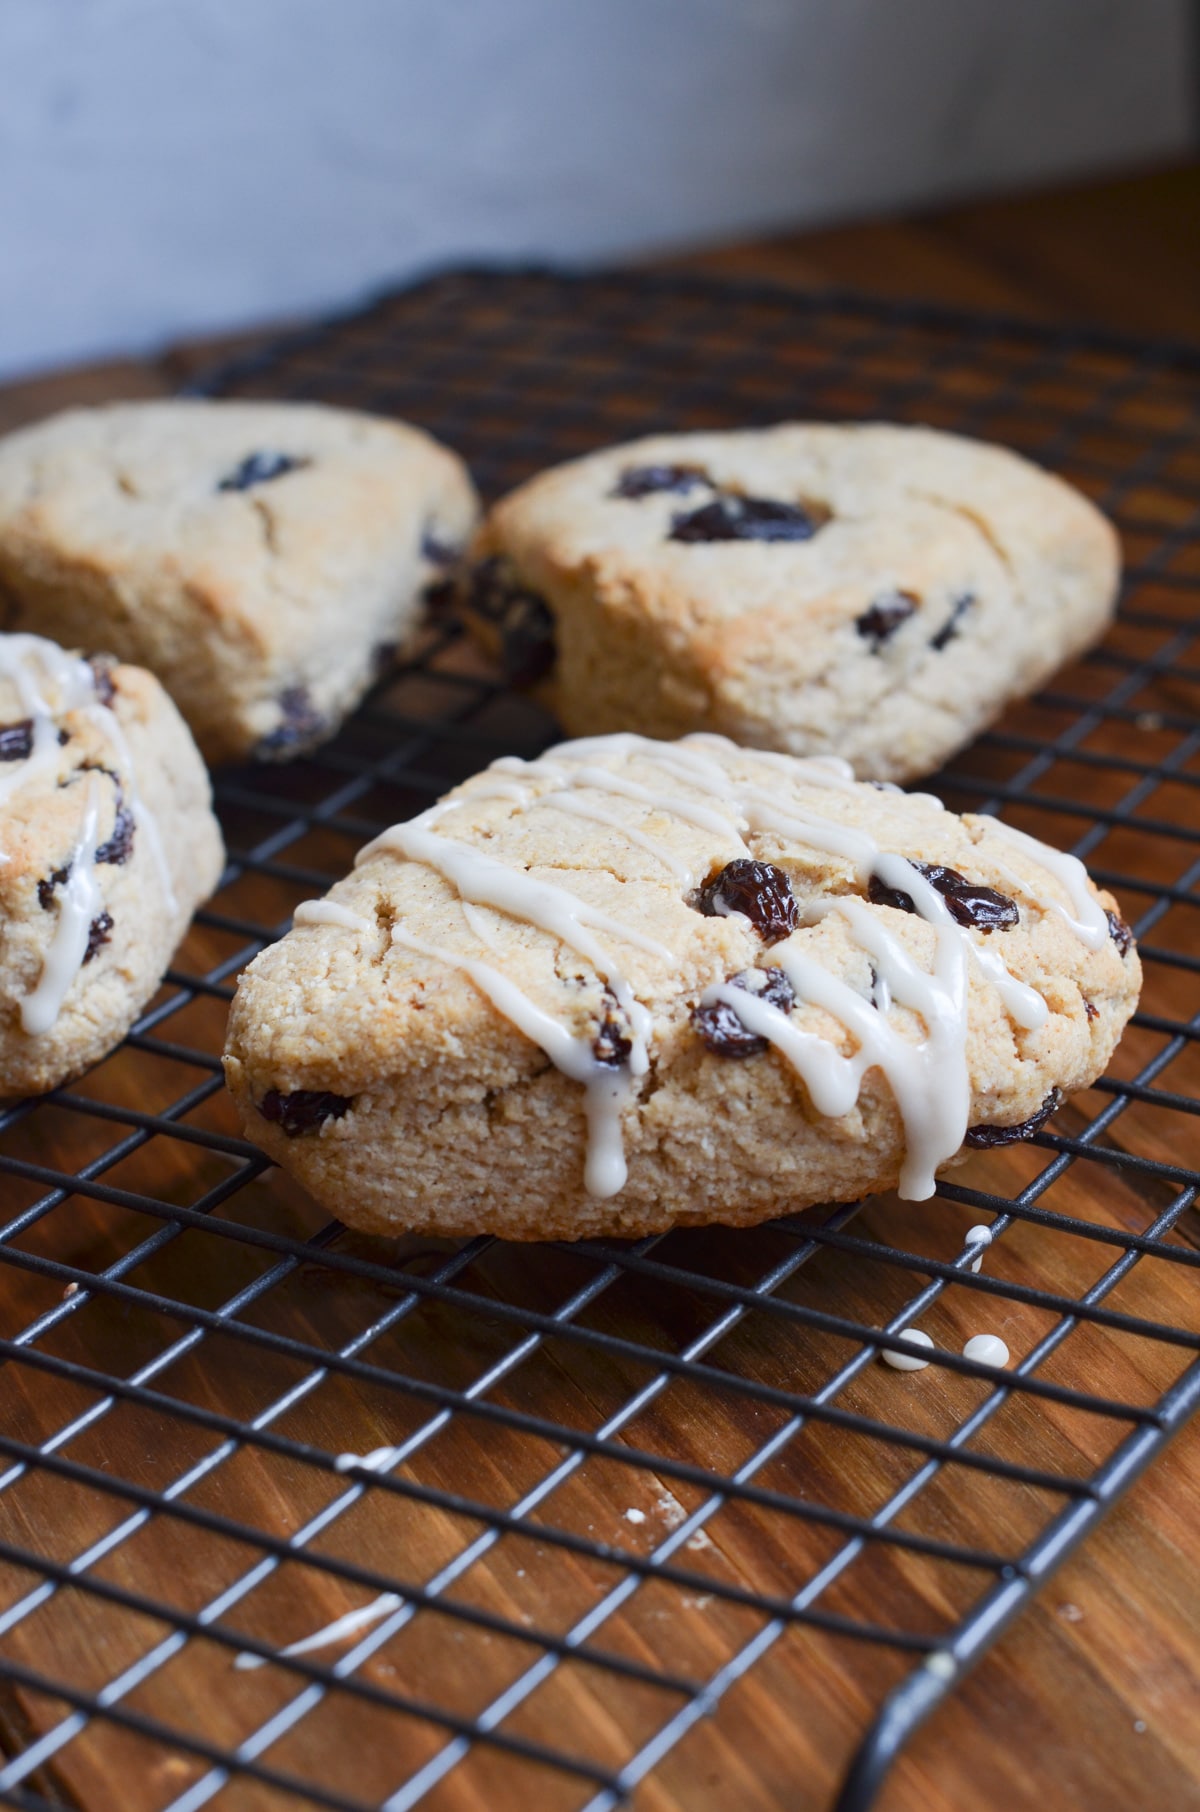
169, 166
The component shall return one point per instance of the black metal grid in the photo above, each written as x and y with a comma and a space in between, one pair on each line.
187, 1344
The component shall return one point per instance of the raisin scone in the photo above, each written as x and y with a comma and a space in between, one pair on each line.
873, 592
632, 985
107, 846
265, 560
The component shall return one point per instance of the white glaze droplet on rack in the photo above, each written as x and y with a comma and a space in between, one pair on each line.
980, 1237
378, 1460
908, 1362
80, 902
928, 1078
337, 1631
986, 1349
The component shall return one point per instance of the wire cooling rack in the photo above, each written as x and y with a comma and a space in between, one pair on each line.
656, 1525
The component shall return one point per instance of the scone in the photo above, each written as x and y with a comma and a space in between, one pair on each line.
107, 846
877, 593
633, 984
265, 560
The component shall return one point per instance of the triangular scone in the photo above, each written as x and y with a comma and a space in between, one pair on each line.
871, 591
265, 560
633, 984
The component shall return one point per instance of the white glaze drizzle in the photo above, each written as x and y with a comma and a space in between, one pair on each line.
328, 912
1088, 919
929, 1079
21, 657
35, 667
606, 1088
596, 814
78, 905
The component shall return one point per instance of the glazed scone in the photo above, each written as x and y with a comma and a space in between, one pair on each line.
875, 592
265, 560
107, 846
633, 985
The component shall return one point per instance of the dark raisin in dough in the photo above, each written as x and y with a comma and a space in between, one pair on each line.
613, 1041
523, 619
644, 481
880, 622
1119, 932
16, 740
719, 1025
260, 468
119, 845
303, 1110
45, 889
969, 902
98, 932
302, 723
102, 677
1090, 1008
984, 1137
759, 890
949, 628
745, 519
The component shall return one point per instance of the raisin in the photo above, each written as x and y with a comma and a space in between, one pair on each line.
949, 628
98, 932
982, 1138
1119, 932
644, 481
746, 519
16, 740
119, 846
522, 618
970, 903
1090, 1008
880, 622
102, 666
301, 724
759, 890
719, 1025
303, 1109
45, 889
613, 1041
260, 468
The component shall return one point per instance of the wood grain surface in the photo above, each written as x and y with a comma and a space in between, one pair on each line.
1090, 1700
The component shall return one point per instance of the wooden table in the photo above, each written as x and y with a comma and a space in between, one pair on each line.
1091, 1698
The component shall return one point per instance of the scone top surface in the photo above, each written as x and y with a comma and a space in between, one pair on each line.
527, 1010
874, 591
107, 845
244, 551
